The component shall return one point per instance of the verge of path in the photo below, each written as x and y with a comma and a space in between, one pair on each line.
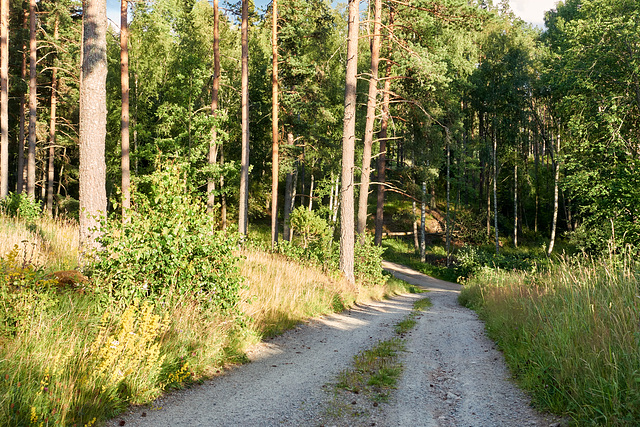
284, 383
453, 375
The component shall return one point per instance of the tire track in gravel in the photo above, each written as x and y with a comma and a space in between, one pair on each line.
454, 375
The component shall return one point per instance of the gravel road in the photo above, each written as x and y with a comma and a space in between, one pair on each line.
453, 375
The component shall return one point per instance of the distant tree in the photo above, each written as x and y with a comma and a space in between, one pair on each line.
274, 127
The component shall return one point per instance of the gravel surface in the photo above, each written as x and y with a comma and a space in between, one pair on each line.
453, 375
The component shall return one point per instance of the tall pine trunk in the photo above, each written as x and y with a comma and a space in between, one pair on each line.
52, 127
93, 123
33, 102
243, 216
124, 119
274, 125
382, 152
495, 186
20, 187
347, 229
363, 200
212, 157
4, 98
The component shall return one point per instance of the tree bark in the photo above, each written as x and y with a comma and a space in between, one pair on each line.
382, 152
20, 187
243, 217
33, 102
423, 248
212, 157
93, 124
556, 179
289, 194
363, 200
124, 119
52, 127
448, 215
274, 125
4, 98
347, 237
495, 187
515, 205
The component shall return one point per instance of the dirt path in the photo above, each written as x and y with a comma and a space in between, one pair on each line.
453, 375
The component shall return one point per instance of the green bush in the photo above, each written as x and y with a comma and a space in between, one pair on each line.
25, 294
22, 206
168, 245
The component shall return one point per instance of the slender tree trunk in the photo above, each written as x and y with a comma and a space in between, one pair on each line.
124, 119
289, 194
556, 179
223, 195
495, 187
448, 215
347, 237
336, 200
311, 191
4, 98
52, 127
93, 123
515, 205
213, 145
274, 125
416, 240
382, 152
33, 102
23, 101
423, 246
243, 217
363, 200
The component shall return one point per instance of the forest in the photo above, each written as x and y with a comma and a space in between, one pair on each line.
172, 156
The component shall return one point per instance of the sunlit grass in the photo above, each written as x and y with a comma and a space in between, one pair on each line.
571, 334
44, 242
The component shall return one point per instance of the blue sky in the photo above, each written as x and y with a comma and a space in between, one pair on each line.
531, 11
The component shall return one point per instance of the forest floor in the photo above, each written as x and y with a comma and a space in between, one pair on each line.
453, 374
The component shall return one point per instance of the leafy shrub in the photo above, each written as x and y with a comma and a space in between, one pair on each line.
368, 261
22, 206
25, 293
310, 226
168, 245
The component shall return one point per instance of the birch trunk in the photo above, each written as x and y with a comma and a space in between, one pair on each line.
556, 179
212, 157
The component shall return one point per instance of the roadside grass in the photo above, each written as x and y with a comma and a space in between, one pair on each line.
402, 251
570, 334
374, 372
70, 356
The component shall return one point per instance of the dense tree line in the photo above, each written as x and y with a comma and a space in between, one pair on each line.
514, 131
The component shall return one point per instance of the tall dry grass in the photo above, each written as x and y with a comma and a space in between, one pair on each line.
571, 334
45, 242
280, 293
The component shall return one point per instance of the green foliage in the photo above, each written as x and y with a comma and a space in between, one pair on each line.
168, 245
570, 334
312, 228
25, 294
368, 261
22, 206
